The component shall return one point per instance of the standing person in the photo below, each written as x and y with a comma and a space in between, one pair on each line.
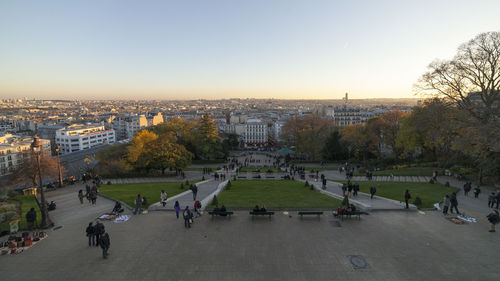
93, 196
163, 197
491, 200
493, 218
446, 204
87, 194
98, 231
177, 208
477, 190
91, 234
187, 217
194, 189
31, 218
466, 191
344, 189
138, 204
454, 203
497, 198
407, 197
105, 242
80, 196
356, 189
373, 190
349, 189
197, 208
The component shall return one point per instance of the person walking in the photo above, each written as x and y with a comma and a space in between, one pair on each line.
138, 204
446, 204
454, 203
91, 234
188, 217
194, 189
93, 196
344, 189
477, 190
31, 218
491, 200
497, 198
177, 208
373, 190
493, 218
80, 196
105, 243
163, 198
98, 231
197, 208
355, 189
407, 197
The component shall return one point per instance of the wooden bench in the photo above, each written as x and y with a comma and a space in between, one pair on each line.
306, 213
350, 214
219, 213
261, 214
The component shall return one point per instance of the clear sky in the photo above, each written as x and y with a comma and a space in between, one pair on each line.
189, 49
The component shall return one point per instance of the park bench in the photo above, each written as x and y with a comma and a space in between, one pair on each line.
350, 214
261, 214
242, 177
270, 177
306, 213
220, 213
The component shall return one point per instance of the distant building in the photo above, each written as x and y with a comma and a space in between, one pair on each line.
80, 137
14, 149
255, 132
49, 132
154, 119
348, 116
126, 126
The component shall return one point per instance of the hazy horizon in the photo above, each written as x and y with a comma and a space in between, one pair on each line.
188, 50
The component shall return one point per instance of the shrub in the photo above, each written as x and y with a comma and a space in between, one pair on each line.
182, 186
215, 201
447, 184
228, 185
109, 183
306, 184
431, 181
417, 201
187, 182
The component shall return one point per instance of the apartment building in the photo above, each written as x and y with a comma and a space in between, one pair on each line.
126, 126
80, 137
15, 149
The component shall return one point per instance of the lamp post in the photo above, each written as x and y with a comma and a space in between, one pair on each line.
36, 147
58, 148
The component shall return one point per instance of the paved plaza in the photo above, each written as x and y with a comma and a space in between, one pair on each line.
385, 245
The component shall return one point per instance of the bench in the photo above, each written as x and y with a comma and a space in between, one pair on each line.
261, 214
310, 213
242, 177
350, 214
270, 177
219, 213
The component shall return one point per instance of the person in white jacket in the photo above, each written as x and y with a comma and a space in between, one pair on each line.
163, 197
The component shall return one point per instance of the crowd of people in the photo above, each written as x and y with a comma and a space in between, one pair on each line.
97, 236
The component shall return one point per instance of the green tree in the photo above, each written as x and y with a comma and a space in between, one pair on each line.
166, 153
335, 148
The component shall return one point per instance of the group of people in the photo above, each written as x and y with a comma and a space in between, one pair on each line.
349, 189
97, 236
262, 209
91, 193
493, 198
450, 203
468, 188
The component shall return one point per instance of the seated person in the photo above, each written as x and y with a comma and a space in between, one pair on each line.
223, 209
216, 208
51, 206
118, 208
352, 208
263, 209
256, 209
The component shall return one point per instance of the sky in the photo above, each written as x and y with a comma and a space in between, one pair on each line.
211, 49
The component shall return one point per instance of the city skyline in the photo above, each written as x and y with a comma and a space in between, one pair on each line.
224, 49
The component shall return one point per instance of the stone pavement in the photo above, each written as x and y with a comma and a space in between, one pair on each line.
388, 246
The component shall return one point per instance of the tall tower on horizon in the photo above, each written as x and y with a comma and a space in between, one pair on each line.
345, 99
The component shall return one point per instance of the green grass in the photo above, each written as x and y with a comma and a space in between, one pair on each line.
428, 193
262, 170
128, 192
245, 194
25, 204
410, 171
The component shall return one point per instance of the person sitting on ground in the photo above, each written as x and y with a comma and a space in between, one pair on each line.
51, 206
118, 208
256, 209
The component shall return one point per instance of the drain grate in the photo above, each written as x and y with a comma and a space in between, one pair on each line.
335, 223
358, 262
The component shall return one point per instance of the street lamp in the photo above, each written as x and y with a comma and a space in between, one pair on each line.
36, 147
58, 148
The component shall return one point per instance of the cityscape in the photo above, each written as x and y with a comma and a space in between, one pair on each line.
263, 140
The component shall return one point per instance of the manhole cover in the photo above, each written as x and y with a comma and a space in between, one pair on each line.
358, 262
335, 223
57, 227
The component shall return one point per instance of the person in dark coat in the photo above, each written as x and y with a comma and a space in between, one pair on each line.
407, 197
105, 242
31, 218
91, 234
99, 230
373, 190
188, 216
454, 203
493, 218
194, 189
477, 190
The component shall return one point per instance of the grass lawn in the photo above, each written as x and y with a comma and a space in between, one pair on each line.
262, 170
128, 192
245, 194
428, 193
410, 171
24, 204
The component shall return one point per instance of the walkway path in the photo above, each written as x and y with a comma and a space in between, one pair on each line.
186, 198
363, 200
